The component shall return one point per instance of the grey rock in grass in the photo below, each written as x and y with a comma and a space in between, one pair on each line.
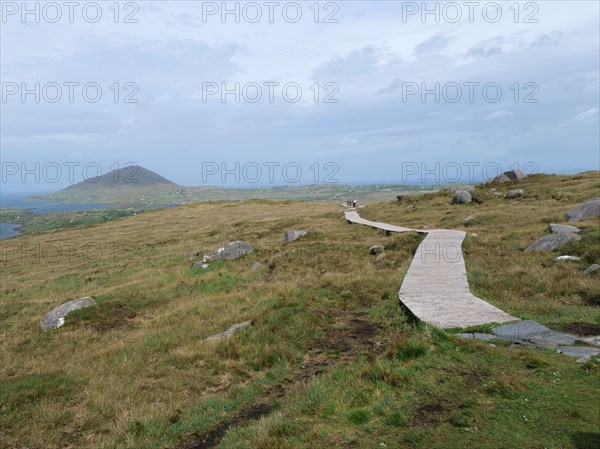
232, 330
518, 193
567, 259
380, 256
461, 197
501, 178
230, 251
56, 317
551, 242
515, 175
508, 176
199, 265
290, 236
586, 211
529, 331
583, 353
469, 218
560, 228
593, 340
255, 266
476, 336
375, 249
592, 268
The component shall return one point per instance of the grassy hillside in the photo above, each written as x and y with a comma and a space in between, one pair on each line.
330, 361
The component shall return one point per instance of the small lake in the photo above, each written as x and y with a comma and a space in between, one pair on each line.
8, 230
19, 201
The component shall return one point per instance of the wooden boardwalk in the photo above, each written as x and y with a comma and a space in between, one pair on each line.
435, 288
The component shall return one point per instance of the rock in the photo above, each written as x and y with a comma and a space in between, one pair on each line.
230, 251
56, 317
533, 334
592, 268
193, 255
494, 190
559, 228
473, 234
593, 340
232, 330
508, 176
515, 194
376, 249
551, 242
469, 218
476, 336
289, 236
255, 266
566, 258
199, 265
515, 175
461, 197
500, 178
380, 256
583, 353
586, 211
467, 187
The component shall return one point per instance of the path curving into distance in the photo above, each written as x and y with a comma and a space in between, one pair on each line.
435, 288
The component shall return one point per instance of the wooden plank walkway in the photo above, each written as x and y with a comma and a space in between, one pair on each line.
435, 288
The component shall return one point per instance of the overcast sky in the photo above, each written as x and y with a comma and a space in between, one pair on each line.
365, 121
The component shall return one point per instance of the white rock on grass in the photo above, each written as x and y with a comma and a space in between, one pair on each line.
290, 236
560, 228
567, 258
232, 330
592, 268
56, 317
230, 251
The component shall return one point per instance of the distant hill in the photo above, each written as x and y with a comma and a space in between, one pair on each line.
138, 186
122, 185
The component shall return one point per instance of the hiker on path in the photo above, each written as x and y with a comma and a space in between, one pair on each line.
353, 203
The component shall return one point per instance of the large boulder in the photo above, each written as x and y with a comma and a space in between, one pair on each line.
461, 197
515, 175
289, 236
230, 251
551, 242
586, 211
508, 176
560, 228
500, 178
56, 317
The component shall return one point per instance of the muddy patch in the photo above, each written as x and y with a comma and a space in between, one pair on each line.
213, 437
350, 334
432, 413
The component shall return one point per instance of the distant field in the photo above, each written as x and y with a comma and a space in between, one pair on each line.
330, 361
186, 195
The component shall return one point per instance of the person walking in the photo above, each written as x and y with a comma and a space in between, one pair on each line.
353, 203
